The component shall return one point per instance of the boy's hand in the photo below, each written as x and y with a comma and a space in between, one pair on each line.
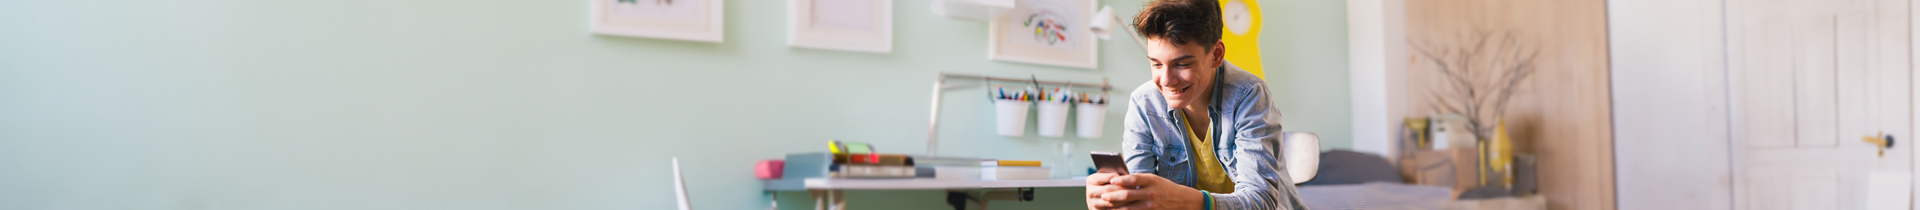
1139, 192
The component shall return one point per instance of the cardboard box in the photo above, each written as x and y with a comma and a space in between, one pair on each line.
1454, 168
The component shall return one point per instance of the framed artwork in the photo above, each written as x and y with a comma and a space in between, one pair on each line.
690, 20
850, 25
1045, 32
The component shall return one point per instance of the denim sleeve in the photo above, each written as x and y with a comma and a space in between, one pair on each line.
1260, 179
1136, 143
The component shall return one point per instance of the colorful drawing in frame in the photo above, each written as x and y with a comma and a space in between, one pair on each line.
1049, 27
1045, 32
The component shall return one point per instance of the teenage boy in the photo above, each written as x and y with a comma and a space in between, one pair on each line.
1194, 132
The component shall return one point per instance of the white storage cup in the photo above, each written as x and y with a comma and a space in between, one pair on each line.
1092, 117
1011, 117
1053, 118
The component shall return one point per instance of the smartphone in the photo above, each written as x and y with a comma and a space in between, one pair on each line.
1109, 162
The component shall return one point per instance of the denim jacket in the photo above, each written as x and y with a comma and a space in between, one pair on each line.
1243, 116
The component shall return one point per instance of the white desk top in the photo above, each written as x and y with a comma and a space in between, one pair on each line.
911, 184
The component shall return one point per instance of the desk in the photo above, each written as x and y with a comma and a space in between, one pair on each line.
912, 184
824, 189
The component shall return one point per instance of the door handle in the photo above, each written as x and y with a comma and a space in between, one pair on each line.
1881, 142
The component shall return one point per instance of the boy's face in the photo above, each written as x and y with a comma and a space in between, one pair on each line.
1183, 72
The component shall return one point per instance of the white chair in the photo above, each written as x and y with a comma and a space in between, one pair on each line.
1301, 150
680, 186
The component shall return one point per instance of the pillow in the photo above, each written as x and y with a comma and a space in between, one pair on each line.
1349, 167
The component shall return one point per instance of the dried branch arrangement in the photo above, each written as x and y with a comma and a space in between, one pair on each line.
1481, 70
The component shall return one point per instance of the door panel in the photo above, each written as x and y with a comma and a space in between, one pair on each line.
1891, 82
1767, 66
1814, 190
1801, 195
1812, 78
1852, 63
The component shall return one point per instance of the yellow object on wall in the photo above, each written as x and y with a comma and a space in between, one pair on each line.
1242, 34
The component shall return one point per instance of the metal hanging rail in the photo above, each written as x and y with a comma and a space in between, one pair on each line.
940, 85
1102, 86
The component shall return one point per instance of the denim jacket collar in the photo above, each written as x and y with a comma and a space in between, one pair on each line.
1213, 110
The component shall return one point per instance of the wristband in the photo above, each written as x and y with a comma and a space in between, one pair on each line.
1207, 198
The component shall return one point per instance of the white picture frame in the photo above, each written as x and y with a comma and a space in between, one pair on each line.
1013, 37
847, 25
688, 20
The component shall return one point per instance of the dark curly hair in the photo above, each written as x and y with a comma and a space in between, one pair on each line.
1181, 21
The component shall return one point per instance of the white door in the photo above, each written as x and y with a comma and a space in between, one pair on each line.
1808, 80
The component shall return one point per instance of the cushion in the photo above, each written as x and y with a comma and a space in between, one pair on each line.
1349, 167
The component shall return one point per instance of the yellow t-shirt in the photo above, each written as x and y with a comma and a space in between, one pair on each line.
1208, 173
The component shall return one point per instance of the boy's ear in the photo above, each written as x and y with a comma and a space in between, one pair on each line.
1219, 54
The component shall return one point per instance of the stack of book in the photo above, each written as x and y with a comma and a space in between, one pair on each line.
860, 160
855, 160
874, 166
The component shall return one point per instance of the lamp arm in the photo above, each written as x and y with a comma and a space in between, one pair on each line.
1129, 28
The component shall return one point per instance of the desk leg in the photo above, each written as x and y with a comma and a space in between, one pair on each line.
839, 198
819, 203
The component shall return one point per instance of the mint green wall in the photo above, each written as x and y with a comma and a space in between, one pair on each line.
443, 104
1305, 47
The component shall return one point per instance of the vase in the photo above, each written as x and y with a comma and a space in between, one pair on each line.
1499, 157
